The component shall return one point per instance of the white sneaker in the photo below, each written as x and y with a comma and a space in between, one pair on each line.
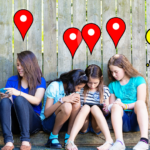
118, 146
141, 146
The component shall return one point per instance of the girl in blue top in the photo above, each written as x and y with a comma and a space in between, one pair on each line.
129, 114
60, 105
21, 104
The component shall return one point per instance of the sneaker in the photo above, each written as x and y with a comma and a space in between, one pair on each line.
141, 146
118, 146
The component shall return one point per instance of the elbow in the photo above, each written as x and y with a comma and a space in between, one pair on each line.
45, 114
37, 102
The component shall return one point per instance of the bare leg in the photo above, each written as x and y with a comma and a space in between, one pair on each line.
116, 119
75, 109
86, 124
62, 115
78, 123
99, 123
142, 117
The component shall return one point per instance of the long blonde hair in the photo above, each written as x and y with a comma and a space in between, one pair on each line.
121, 61
94, 71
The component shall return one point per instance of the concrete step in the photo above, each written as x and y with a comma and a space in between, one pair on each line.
80, 148
88, 139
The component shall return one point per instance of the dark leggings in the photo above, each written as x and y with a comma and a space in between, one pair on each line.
18, 117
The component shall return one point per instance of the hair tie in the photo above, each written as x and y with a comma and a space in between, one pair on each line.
83, 75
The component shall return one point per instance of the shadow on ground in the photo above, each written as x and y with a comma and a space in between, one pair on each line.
80, 148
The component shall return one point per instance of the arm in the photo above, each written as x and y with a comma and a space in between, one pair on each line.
105, 108
34, 100
112, 98
141, 95
141, 92
50, 108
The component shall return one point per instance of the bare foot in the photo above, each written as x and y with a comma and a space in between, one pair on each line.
105, 146
8, 146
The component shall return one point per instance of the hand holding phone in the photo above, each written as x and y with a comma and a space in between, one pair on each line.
3, 90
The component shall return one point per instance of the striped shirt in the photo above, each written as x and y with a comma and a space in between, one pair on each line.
94, 97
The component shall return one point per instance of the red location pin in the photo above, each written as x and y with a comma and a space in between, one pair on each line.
115, 28
23, 20
91, 34
72, 38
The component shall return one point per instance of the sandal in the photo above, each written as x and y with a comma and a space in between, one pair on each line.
73, 145
8, 147
65, 140
111, 144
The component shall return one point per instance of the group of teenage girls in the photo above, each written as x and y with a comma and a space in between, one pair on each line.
76, 102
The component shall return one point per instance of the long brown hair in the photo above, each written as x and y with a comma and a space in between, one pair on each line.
32, 71
95, 71
121, 61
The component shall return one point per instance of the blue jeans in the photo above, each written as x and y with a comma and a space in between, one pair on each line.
18, 117
130, 122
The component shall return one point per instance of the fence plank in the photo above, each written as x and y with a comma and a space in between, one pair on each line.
138, 36
94, 16
124, 45
148, 53
19, 44
64, 22
6, 57
50, 55
34, 38
79, 20
108, 11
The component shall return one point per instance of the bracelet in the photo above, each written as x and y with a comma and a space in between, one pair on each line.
126, 106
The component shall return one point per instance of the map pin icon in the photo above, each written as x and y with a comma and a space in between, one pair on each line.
115, 28
72, 38
91, 34
23, 20
147, 36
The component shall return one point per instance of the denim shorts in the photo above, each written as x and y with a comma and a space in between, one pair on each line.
90, 128
130, 122
48, 124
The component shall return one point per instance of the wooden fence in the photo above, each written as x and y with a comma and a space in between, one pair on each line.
51, 19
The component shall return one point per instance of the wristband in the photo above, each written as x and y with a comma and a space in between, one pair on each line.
60, 100
126, 106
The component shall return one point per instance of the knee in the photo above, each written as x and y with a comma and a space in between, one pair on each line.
94, 108
76, 106
96, 111
116, 107
4, 102
85, 108
66, 109
19, 101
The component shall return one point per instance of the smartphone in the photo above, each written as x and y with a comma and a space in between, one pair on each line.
3, 90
